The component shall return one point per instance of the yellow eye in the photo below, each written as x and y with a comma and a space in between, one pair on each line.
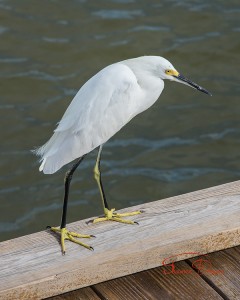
172, 72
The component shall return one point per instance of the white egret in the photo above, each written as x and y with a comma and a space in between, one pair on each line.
102, 106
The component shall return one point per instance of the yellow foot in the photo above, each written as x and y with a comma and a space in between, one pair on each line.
69, 235
113, 216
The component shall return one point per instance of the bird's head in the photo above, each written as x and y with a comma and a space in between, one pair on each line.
167, 71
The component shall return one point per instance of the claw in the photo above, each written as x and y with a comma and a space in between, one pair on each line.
113, 216
69, 235
90, 221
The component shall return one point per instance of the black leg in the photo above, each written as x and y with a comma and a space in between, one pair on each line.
67, 181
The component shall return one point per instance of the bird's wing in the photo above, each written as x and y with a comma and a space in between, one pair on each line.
103, 105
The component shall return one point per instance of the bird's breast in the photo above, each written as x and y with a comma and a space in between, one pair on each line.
151, 89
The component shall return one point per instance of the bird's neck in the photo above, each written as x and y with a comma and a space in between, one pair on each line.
146, 75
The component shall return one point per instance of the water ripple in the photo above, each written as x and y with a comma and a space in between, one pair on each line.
219, 135
123, 1
169, 142
13, 60
9, 190
169, 175
31, 215
9, 226
154, 144
118, 14
40, 75
149, 28
119, 43
56, 40
3, 29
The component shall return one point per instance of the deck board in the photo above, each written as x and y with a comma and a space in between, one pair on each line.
228, 263
154, 285
86, 293
32, 267
219, 279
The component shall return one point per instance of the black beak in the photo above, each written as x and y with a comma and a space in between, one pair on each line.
180, 77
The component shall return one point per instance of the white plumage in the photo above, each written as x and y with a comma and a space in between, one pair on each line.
103, 105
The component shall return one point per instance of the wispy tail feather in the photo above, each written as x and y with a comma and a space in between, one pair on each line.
60, 150
42, 165
63, 147
48, 151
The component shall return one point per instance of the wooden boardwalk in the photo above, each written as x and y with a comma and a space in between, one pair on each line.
181, 227
216, 276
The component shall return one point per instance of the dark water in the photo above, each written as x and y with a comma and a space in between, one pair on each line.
186, 141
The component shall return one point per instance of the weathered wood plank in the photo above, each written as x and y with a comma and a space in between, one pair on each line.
218, 277
222, 271
154, 284
86, 293
32, 267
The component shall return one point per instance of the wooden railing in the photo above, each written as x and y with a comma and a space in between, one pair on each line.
32, 266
